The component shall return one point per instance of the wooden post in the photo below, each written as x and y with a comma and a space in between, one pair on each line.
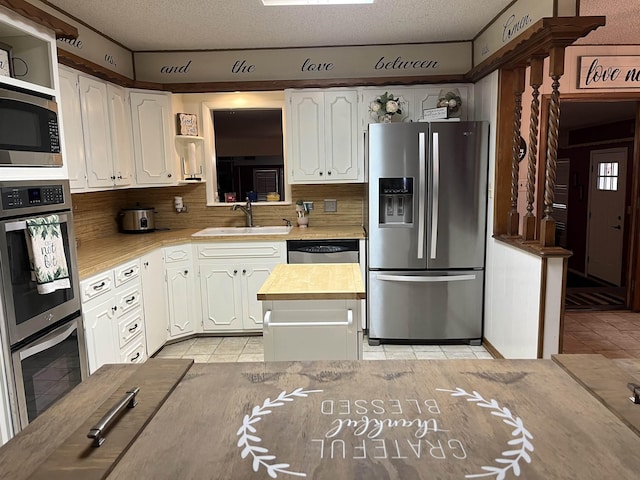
518, 89
536, 73
548, 224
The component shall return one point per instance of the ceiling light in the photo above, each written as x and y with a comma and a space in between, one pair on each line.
274, 3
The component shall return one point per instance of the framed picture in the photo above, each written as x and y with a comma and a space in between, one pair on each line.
187, 124
6, 67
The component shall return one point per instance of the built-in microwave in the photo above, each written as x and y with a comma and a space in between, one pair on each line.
29, 133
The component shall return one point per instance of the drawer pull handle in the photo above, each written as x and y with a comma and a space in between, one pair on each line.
135, 327
129, 301
99, 287
129, 273
137, 356
97, 432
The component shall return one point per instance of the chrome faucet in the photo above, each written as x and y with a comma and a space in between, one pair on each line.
247, 211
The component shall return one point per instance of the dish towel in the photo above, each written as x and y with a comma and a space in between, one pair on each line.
46, 254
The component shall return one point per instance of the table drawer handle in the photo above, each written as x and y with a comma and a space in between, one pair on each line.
99, 286
134, 328
97, 432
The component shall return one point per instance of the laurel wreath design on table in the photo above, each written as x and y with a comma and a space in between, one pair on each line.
248, 437
522, 436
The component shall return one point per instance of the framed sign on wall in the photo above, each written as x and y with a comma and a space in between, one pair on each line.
6, 68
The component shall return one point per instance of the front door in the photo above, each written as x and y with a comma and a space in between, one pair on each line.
606, 214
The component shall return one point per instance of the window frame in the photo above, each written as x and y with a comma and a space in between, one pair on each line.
237, 101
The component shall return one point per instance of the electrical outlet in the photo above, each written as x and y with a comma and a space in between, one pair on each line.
330, 205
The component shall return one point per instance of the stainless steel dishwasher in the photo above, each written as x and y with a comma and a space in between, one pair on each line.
323, 251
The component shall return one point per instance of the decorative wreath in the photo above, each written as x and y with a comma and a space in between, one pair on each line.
522, 437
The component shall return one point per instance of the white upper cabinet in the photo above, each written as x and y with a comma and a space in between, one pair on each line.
121, 134
33, 50
97, 132
71, 114
152, 138
323, 136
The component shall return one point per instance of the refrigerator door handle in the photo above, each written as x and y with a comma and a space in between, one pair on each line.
422, 279
421, 194
435, 195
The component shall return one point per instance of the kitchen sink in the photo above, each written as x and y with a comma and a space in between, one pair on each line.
224, 231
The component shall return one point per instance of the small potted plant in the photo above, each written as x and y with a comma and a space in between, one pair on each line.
301, 212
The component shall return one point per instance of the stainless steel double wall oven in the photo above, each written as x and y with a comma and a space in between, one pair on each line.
42, 334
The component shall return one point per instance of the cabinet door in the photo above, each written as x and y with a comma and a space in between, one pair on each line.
152, 133
101, 334
155, 307
341, 136
253, 277
307, 136
221, 297
97, 132
181, 289
121, 134
71, 113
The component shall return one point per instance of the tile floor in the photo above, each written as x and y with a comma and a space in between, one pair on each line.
614, 334
250, 349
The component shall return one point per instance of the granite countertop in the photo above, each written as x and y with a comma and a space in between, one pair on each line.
316, 281
96, 256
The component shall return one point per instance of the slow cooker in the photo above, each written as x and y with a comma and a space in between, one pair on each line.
137, 220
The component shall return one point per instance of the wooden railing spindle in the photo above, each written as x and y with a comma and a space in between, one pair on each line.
514, 218
536, 72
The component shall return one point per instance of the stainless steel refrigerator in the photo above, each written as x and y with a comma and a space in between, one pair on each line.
427, 194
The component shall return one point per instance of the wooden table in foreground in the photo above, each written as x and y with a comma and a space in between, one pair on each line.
414, 419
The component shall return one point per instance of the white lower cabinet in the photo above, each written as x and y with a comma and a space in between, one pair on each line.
113, 315
183, 298
230, 276
155, 307
98, 321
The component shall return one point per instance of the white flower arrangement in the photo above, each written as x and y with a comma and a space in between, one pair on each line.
452, 101
385, 106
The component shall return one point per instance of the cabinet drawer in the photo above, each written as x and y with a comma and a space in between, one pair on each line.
136, 353
127, 272
130, 327
181, 253
247, 251
128, 300
95, 286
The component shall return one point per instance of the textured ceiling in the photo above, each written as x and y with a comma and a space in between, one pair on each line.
228, 24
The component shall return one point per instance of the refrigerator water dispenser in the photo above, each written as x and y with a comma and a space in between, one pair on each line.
396, 201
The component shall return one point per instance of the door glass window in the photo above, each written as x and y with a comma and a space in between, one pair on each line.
608, 176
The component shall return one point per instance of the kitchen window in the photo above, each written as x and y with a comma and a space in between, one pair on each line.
247, 154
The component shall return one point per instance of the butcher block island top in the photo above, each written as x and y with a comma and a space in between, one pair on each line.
316, 281
396, 419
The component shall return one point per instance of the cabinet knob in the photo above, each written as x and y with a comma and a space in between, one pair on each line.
320, 173
146, 264
119, 177
113, 177
169, 175
244, 272
186, 272
114, 308
329, 172
235, 272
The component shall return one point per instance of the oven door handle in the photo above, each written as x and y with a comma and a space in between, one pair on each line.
22, 225
53, 338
